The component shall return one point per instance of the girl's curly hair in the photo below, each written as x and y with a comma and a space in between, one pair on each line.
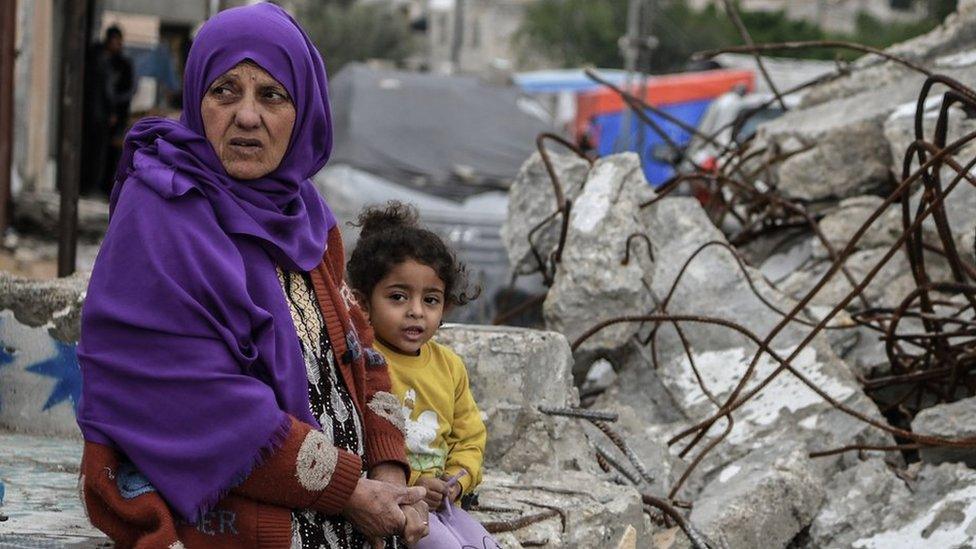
390, 235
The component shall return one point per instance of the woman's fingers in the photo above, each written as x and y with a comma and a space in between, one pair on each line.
413, 495
374, 508
416, 526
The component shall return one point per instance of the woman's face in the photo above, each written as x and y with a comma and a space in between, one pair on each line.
248, 117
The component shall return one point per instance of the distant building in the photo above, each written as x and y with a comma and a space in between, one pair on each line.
156, 36
834, 15
473, 36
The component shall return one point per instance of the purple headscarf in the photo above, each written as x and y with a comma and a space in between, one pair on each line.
190, 361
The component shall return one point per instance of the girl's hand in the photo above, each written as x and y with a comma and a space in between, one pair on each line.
453, 488
436, 490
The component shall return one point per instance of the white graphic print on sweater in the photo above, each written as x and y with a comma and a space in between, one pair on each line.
421, 433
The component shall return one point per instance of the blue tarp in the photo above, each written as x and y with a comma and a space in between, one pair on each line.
563, 80
609, 130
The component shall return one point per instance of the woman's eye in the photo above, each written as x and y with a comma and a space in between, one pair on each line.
277, 96
222, 91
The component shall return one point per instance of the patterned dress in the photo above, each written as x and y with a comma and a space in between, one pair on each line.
330, 402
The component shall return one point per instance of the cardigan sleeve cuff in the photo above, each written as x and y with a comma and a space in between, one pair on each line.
274, 527
332, 500
382, 448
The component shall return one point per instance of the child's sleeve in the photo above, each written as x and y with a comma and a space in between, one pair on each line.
466, 440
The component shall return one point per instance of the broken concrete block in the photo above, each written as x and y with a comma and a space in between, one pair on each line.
591, 283
761, 500
857, 502
531, 200
888, 288
513, 371
845, 161
939, 512
953, 39
589, 511
953, 420
714, 285
638, 383
839, 226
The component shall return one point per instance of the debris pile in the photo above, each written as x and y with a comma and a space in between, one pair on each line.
792, 356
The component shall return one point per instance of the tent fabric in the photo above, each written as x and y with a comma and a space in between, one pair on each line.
430, 130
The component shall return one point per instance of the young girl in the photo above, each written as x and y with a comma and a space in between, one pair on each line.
405, 278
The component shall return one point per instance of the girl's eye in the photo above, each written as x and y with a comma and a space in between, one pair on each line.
398, 297
432, 300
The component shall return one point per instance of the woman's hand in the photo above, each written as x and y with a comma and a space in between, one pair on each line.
388, 472
374, 507
436, 490
416, 525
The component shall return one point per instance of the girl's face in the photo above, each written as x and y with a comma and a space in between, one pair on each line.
406, 306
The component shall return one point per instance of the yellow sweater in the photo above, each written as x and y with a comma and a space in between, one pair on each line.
445, 432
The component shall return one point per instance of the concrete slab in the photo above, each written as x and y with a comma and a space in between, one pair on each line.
39, 476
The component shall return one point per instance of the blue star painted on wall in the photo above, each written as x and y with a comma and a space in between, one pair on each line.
63, 367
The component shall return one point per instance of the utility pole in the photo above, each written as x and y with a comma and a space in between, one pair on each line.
631, 45
74, 45
8, 56
630, 52
457, 41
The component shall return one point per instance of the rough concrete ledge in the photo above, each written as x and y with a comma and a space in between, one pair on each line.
51, 304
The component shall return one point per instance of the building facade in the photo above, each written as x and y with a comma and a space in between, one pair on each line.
834, 15
474, 36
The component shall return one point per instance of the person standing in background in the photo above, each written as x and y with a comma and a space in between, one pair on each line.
109, 86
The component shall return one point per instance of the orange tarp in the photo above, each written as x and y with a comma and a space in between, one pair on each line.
664, 90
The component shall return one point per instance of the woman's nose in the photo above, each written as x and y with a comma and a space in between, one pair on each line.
247, 116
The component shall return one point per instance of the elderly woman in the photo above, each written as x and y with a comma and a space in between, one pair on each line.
230, 396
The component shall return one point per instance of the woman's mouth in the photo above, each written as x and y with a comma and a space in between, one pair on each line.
246, 146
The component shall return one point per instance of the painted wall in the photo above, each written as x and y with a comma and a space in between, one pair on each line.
40, 380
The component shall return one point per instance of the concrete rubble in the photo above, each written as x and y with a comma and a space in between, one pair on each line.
762, 500
585, 511
868, 506
512, 372
585, 291
784, 471
531, 204
954, 420
844, 122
